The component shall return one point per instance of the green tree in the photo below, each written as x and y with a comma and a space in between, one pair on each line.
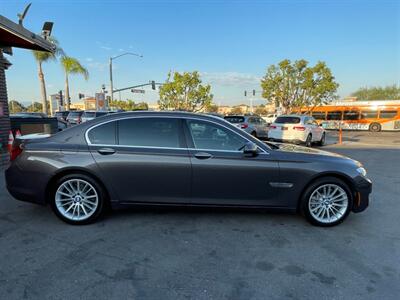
42, 57
185, 92
236, 110
212, 108
391, 92
16, 107
260, 110
72, 66
296, 84
35, 107
128, 105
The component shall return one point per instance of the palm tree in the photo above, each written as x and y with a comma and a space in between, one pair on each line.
72, 66
41, 57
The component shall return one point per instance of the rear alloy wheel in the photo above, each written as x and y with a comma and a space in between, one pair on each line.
322, 141
375, 127
327, 202
309, 141
78, 199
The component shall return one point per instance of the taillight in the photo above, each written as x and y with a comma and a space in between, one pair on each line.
244, 126
79, 120
272, 127
301, 128
15, 151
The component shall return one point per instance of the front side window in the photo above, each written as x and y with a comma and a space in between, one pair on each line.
209, 136
150, 132
103, 134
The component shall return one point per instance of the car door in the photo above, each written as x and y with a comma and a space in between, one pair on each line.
222, 174
262, 127
314, 129
144, 158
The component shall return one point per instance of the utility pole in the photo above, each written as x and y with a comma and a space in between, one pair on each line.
111, 81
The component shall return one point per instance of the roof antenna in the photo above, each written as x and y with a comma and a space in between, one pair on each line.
21, 17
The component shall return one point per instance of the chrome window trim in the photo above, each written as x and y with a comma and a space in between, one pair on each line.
168, 148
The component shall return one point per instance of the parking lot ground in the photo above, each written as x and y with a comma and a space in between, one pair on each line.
208, 253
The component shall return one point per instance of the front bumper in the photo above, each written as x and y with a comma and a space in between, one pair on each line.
363, 187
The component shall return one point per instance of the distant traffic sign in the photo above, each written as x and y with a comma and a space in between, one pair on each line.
137, 91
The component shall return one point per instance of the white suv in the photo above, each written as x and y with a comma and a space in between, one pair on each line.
297, 129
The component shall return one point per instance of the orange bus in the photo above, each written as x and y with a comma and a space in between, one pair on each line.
359, 115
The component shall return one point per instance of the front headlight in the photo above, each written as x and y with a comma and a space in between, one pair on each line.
362, 171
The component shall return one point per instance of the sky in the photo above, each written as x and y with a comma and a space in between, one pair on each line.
231, 43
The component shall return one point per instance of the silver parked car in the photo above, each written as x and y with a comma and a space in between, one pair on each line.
254, 125
92, 114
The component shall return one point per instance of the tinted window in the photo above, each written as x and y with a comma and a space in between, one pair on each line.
318, 115
334, 115
234, 119
103, 134
350, 115
211, 136
287, 120
101, 113
151, 132
369, 114
387, 114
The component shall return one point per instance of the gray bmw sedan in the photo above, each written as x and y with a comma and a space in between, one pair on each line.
177, 158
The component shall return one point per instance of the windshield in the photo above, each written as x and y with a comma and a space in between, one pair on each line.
287, 120
234, 119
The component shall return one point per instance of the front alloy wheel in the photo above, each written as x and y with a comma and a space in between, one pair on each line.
327, 202
78, 199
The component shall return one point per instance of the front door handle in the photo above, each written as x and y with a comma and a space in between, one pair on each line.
202, 155
106, 151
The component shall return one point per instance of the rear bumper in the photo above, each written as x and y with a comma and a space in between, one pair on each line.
23, 186
292, 141
363, 187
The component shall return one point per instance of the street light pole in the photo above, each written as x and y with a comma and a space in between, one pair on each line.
111, 76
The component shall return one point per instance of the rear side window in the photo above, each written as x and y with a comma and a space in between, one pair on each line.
334, 115
150, 132
287, 120
387, 114
234, 119
103, 134
75, 114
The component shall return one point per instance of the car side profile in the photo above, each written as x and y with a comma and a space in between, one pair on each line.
176, 158
299, 129
252, 124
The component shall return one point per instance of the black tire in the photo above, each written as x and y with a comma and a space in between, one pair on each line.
375, 127
322, 141
101, 199
308, 141
304, 204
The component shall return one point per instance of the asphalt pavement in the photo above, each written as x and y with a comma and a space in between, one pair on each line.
208, 253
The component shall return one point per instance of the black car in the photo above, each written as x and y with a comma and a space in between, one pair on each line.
176, 158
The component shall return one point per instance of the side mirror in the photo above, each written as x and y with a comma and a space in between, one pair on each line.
250, 149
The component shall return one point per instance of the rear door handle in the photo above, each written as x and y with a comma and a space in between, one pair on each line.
106, 151
202, 155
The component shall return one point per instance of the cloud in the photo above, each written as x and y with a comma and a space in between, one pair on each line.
106, 48
121, 50
230, 78
100, 66
89, 59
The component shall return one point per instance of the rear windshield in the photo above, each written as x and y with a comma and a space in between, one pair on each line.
89, 114
287, 120
234, 119
75, 114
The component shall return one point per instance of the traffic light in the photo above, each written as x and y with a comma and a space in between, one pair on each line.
81, 96
245, 93
61, 98
254, 92
153, 85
